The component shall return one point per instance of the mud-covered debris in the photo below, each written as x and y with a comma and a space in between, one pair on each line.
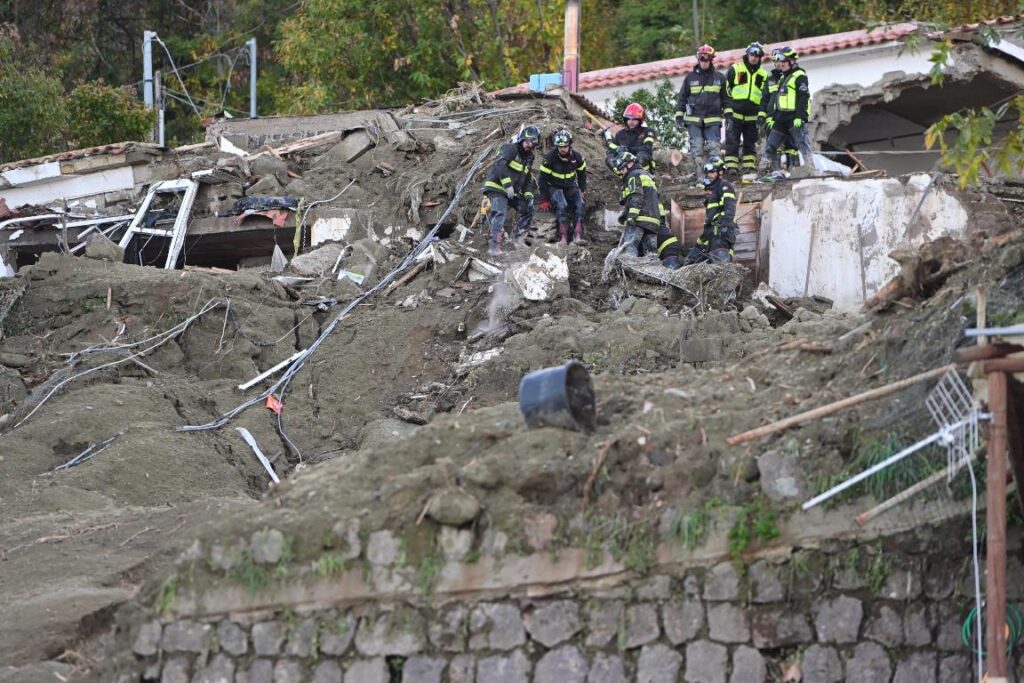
453, 506
544, 276
99, 247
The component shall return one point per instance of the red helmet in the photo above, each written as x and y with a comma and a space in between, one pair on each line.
705, 51
634, 111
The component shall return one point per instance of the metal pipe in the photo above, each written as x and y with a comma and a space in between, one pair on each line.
892, 459
147, 67
252, 77
571, 54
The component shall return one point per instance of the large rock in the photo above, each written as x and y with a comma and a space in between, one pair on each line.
917, 667
317, 262
885, 625
453, 506
782, 477
728, 623
147, 639
186, 635
368, 671
301, 638
683, 620
706, 662
554, 622
176, 670
496, 626
869, 664
658, 664
267, 637
447, 630
401, 632
269, 165
267, 546
336, 634
232, 638
564, 665
423, 669
838, 620
641, 625
957, 668
220, 670
778, 627
821, 664
748, 666
383, 548
326, 672
603, 619
722, 583
916, 629
99, 247
514, 668
607, 669
764, 582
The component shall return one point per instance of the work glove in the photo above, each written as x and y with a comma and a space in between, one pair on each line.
544, 205
680, 125
510, 192
622, 217
797, 123
528, 196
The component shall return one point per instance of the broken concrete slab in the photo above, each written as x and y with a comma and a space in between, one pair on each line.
543, 277
98, 247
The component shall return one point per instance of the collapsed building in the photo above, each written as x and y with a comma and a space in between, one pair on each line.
289, 448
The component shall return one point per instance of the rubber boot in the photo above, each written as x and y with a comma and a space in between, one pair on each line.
577, 234
495, 243
563, 234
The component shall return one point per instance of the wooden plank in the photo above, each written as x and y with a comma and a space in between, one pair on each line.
995, 529
836, 406
1015, 435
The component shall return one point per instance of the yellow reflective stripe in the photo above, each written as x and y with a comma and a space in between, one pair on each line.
701, 240
713, 205
726, 195
741, 117
516, 166
708, 119
612, 145
545, 169
650, 140
506, 181
647, 181
648, 219
494, 185
669, 241
634, 210
582, 166
562, 176
681, 113
705, 88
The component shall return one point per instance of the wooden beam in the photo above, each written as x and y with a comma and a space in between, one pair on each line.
995, 529
1004, 365
835, 407
969, 354
1015, 435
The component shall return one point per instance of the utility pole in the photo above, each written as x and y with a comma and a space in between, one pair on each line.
147, 67
571, 54
160, 106
696, 27
995, 529
252, 77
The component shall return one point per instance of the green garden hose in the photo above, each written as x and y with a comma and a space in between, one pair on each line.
1014, 624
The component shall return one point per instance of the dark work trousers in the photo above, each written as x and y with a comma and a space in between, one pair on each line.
568, 204
776, 139
734, 131
499, 208
705, 140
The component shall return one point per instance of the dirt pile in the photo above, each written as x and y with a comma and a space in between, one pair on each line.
413, 393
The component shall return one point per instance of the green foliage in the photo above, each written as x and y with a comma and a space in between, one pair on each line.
98, 114
329, 565
755, 521
878, 571
887, 482
168, 591
660, 107
32, 118
966, 140
634, 543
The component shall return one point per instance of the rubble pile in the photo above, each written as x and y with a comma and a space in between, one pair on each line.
405, 418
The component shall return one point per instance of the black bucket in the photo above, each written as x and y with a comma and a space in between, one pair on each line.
559, 397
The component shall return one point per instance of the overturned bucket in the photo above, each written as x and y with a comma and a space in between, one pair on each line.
559, 397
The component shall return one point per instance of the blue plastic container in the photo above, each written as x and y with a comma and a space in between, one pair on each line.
559, 397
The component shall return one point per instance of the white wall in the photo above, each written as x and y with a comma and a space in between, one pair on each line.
861, 66
846, 229
70, 187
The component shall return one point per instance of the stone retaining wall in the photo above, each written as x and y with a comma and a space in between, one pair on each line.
855, 614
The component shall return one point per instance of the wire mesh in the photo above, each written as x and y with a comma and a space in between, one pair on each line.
955, 413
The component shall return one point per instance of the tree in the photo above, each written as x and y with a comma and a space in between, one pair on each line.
99, 114
32, 119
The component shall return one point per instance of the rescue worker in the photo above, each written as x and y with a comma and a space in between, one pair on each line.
699, 107
634, 136
717, 240
767, 112
510, 183
646, 230
792, 109
563, 182
745, 83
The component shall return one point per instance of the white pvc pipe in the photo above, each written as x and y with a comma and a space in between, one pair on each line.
909, 450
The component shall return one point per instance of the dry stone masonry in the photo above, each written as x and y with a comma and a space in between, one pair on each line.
880, 619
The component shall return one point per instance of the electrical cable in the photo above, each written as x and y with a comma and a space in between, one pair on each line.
280, 387
174, 68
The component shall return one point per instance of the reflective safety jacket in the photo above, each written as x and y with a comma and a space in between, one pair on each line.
771, 93
720, 211
744, 87
639, 141
562, 172
794, 97
701, 98
640, 197
512, 168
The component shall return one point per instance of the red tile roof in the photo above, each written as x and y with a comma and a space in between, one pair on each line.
668, 68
